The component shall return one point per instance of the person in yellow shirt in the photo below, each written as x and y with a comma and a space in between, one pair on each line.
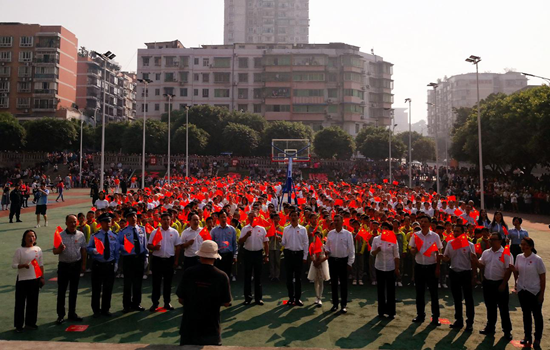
90, 221
83, 226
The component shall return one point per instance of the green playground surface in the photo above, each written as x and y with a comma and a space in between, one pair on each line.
273, 324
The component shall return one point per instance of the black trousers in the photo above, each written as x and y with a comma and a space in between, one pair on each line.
132, 266
493, 299
530, 306
424, 276
15, 209
515, 249
461, 286
252, 265
103, 280
163, 272
68, 276
26, 303
386, 292
190, 262
338, 269
294, 261
225, 264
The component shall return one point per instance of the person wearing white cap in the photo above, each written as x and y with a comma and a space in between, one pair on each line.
202, 291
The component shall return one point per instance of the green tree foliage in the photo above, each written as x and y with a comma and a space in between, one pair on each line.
156, 137
423, 149
12, 134
89, 142
373, 143
198, 140
283, 130
50, 134
404, 137
240, 139
333, 142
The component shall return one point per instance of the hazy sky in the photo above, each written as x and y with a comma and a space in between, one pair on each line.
425, 40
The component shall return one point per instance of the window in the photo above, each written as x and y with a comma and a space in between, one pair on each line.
169, 91
158, 61
357, 128
352, 61
243, 94
257, 108
157, 92
277, 108
26, 41
5, 71
257, 62
354, 93
205, 77
182, 106
166, 107
222, 62
351, 108
243, 108
4, 86
169, 77
23, 102
257, 77
308, 77
332, 109
221, 92
206, 62
183, 92
145, 61
332, 93
24, 71
5, 56
195, 92
170, 61
243, 77
308, 93
196, 61
353, 77
277, 92
277, 61
6, 41
196, 77
144, 108
157, 107
222, 77
277, 76
308, 109
184, 77
184, 61
145, 76
4, 102
332, 77
243, 62
205, 92
258, 93
25, 56
157, 76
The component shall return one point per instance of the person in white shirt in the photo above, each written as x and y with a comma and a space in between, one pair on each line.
30, 278
426, 270
191, 242
387, 269
101, 203
341, 252
530, 277
497, 272
295, 241
254, 240
164, 261
461, 278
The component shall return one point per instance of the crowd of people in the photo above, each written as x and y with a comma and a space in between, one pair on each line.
385, 235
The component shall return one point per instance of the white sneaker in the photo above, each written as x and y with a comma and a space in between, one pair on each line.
81, 275
234, 279
46, 224
37, 226
444, 286
144, 277
360, 282
439, 285
320, 303
399, 284
374, 283
354, 282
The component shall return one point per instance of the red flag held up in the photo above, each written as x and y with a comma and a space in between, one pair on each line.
57, 241
418, 242
37, 269
506, 251
99, 245
430, 250
460, 242
128, 246
388, 236
157, 238
479, 251
205, 234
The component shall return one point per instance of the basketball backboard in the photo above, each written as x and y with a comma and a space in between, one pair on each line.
282, 149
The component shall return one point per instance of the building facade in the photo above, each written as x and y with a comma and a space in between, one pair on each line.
317, 84
38, 67
461, 91
119, 89
266, 21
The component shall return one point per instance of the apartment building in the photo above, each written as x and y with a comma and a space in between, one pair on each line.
38, 67
266, 21
119, 87
461, 91
317, 84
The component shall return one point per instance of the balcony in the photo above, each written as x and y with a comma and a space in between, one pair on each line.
46, 60
45, 92
45, 76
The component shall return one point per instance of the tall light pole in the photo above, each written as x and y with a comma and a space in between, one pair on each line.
170, 97
410, 142
107, 56
389, 142
436, 123
534, 76
145, 93
187, 141
81, 137
475, 60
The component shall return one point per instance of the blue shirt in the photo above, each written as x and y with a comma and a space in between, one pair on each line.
113, 245
226, 238
43, 199
516, 236
497, 228
128, 231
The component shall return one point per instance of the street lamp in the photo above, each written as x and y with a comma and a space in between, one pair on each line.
535, 76
107, 56
410, 141
434, 85
170, 97
475, 60
146, 92
187, 141
389, 140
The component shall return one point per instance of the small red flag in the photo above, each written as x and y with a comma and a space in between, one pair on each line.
128, 246
388, 236
271, 231
37, 269
205, 234
339, 202
149, 228
418, 242
301, 201
93, 208
430, 250
396, 183
283, 218
364, 234
458, 212
479, 251
506, 251
385, 181
242, 215
57, 241
316, 247
157, 238
505, 230
99, 245
460, 242
377, 199
451, 198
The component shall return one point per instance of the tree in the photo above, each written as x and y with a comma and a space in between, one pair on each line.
12, 133
404, 137
156, 137
240, 139
198, 139
253, 121
283, 130
50, 134
423, 149
376, 146
113, 133
89, 142
333, 142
